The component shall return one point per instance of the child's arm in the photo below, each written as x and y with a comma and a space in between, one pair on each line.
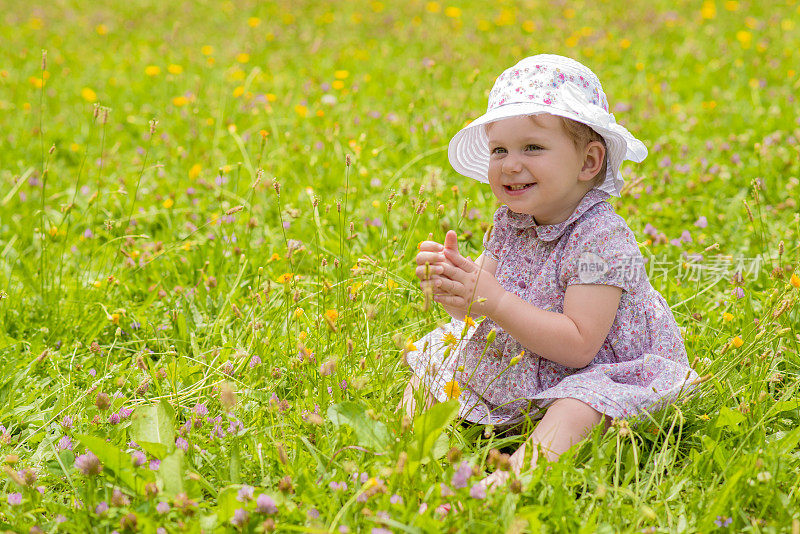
571, 338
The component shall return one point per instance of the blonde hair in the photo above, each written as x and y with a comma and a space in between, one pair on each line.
582, 135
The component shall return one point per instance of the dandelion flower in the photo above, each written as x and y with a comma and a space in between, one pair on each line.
452, 389
795, 280
450, 339
152, 70
168, 203
88, 94
737, 342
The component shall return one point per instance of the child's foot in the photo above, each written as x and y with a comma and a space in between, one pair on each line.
496, 480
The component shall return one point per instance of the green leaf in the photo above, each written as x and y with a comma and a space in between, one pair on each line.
154, 424
153, 449
118, 462
170, 474
784, 406
235, 468
785, 441
369, 433
729, 418
427, 429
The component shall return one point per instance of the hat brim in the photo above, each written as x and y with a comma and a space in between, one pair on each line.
468, 150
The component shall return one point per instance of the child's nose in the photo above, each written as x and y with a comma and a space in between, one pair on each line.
511, 164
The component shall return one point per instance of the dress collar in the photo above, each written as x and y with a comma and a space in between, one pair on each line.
551, 232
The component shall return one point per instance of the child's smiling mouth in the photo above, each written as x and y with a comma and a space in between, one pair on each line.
518, 188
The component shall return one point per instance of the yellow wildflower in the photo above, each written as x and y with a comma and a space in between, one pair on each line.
452, 390
88, 95
174, 69
301, 110
285, 277
244, 57
180, 101
469, 320
452, 12
275, 256
168, 203
704, 417
194, 171
727, 317
101, 29
253, 22
332, 315
744, 38
152, 70
709, 10
298, 312
207, 50
341, 74
795, 280
433, 7
410, 347
450, 339
391, 284
737, 342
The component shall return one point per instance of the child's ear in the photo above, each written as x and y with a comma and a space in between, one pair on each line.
594, 154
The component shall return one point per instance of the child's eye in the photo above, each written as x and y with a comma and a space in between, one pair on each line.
498, 150
533, 147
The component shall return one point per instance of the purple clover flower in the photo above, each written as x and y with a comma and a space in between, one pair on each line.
162, 507
182, 444
101, 508
240, 517
15, 498
462, 475
88, 464
266, 504
738, 292
65, 444
245, 493
478, 491
138, 458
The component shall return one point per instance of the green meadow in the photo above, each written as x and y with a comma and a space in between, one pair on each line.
209, 213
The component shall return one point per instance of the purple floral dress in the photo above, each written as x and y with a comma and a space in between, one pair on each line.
641, 366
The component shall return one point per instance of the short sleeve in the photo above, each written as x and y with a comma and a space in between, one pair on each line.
497, 235
602, 250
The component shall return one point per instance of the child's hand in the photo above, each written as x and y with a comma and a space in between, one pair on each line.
463, 281
432, 253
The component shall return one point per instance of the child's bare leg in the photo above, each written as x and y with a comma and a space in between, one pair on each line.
409, 401
566, 422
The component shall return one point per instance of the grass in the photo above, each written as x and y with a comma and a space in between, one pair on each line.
208, 217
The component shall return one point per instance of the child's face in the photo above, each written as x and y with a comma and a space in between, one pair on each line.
536, 153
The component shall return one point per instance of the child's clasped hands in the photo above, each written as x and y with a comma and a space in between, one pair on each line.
461, 285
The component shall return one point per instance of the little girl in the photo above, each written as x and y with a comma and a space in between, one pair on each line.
573, 333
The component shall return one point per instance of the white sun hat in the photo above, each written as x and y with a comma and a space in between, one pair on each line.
553, 84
